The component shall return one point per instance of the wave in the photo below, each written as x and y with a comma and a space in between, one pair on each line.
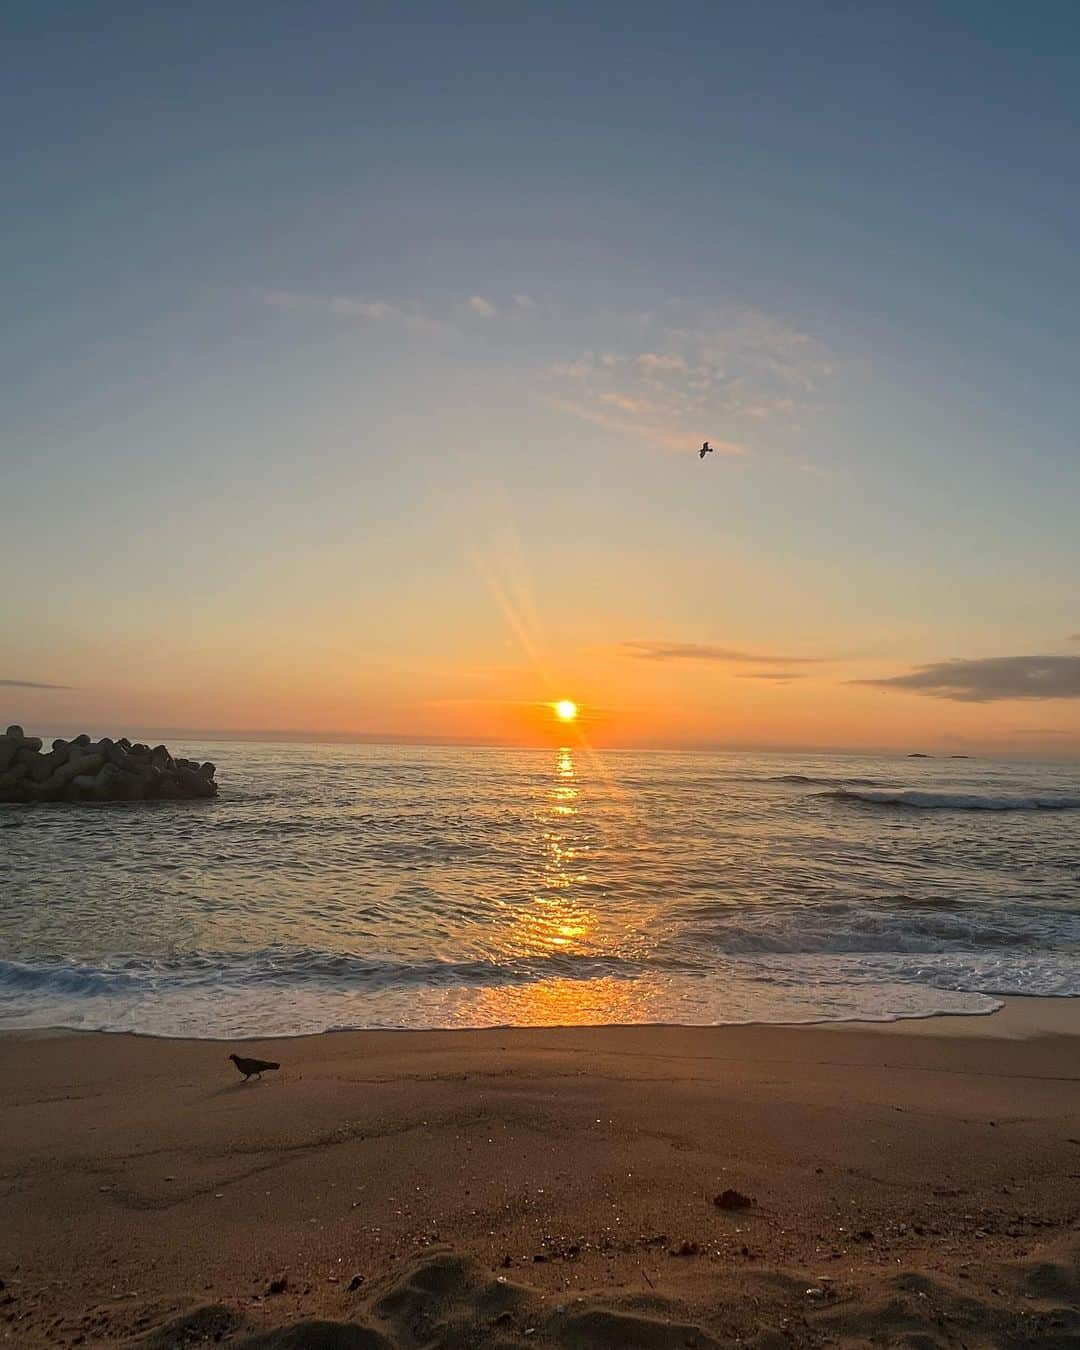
279, 967
808, 779
805, 780
713, 938
195, 997
900, 927
958, 801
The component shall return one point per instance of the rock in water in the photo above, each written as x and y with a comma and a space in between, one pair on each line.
9, 748
103, 771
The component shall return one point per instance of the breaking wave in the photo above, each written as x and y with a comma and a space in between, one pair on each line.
280, 968
958, 801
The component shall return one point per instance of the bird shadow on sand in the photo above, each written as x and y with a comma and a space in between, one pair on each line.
230, 1089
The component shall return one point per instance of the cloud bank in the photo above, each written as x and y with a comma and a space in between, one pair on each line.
991, 679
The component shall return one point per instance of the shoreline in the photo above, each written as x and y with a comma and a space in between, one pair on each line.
1021, 1017
547, 1186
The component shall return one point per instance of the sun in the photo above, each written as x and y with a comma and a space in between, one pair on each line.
565, 710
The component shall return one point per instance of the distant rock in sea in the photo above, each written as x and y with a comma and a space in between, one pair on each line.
82, 770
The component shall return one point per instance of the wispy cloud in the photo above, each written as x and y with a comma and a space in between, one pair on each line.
684, 373
670, 378
31, 684
655, 362
377, 310
405, 313
449, 315
780, 676
991, 679
580, 369
704, 651
639, 428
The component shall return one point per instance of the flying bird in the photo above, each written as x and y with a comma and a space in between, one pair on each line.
706, 449
253, 1066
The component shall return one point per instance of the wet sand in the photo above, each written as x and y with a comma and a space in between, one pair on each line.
916, 1185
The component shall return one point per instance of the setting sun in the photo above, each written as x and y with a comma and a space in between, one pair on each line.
565, 710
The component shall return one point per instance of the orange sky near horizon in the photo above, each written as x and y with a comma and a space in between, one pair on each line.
625, 700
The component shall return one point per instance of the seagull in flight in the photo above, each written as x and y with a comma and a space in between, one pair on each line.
706, 449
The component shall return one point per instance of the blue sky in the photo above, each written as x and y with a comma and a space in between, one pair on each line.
361, 352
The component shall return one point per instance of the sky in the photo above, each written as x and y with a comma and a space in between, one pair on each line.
356, 358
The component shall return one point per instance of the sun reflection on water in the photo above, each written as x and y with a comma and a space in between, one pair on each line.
564, 794
566, 1003
558, 920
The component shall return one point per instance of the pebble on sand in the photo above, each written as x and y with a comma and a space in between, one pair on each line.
732, 1199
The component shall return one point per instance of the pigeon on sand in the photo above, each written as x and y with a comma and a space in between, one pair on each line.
253, 1066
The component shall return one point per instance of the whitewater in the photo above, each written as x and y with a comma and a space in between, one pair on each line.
376, 886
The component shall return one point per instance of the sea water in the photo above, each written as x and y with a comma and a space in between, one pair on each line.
379, 886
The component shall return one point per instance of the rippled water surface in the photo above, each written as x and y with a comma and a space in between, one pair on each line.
334, 886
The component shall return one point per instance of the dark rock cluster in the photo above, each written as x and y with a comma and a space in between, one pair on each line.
83, 770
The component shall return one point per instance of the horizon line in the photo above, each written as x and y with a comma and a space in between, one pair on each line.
1068, 751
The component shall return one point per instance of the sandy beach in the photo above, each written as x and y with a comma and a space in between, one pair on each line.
916, 1185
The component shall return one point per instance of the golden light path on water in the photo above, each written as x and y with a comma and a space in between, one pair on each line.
562, 921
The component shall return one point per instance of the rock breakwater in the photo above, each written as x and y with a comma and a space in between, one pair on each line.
82, 770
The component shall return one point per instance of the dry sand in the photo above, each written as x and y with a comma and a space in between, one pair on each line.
917, 1185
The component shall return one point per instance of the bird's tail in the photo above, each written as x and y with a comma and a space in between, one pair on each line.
273, 1066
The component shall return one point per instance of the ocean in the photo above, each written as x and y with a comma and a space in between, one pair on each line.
384, 886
